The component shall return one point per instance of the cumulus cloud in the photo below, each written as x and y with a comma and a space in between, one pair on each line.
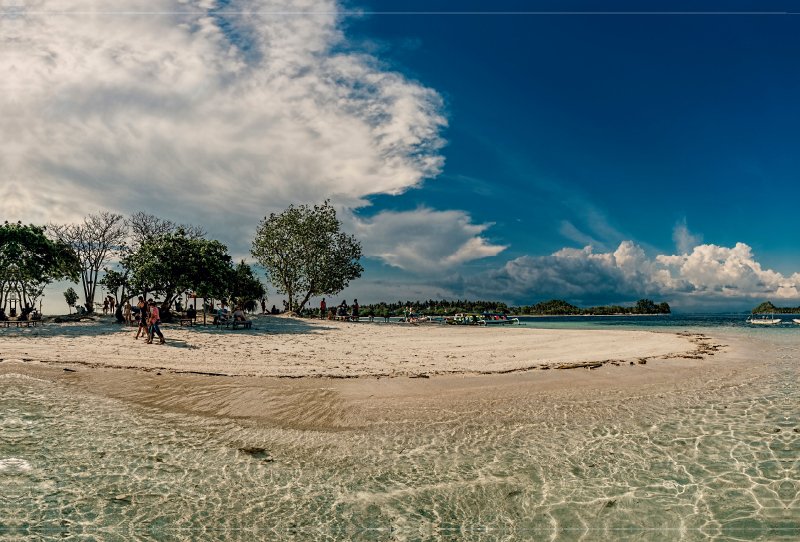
423, 239
203, 117
708, 273
685, 240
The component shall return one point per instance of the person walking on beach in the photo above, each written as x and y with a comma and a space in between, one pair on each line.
143, 315
112, 303
155, 320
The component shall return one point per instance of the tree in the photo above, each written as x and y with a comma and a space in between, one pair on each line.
96, 241
71, 298
645, 306
29, 261
244, 287
143, 225
303, 252
117, 284
172, 264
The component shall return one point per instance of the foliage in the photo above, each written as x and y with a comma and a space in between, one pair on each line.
303, 252
29, 261
95, 241
143, 225
244, 287
769, 308
71, 297
172, 264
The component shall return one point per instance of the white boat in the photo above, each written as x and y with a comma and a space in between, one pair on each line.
795, 320
766, 321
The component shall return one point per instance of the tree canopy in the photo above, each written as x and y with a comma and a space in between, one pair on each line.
173, 263
29, 261
304, 253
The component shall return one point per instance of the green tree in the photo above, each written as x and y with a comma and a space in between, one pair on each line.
117, 283
244, 287
645, 306
304, 253
71, 298
173, 263
29, 261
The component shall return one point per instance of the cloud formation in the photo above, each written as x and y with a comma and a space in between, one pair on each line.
710, 273
423, 240
216, 120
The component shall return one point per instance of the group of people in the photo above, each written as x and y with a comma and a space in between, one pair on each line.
109, 302
149, 318
340, 310
238, 315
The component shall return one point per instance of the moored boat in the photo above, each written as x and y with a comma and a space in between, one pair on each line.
764, 321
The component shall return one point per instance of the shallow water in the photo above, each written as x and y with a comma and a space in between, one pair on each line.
725, 465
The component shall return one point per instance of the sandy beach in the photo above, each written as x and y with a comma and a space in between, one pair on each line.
332, 376
291, 347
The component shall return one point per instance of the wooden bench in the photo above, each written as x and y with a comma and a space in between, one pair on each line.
21, 323
235, 324
185, 321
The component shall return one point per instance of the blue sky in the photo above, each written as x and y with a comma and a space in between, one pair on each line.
475, 155
645, 120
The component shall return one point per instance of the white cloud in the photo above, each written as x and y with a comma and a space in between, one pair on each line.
424, 239
710, 274
201, 119
685, 240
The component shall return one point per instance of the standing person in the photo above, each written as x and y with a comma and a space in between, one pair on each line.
284, 305
105, 307
355, 308
126, 312
155, 320
112, 302
323, 308
143, 316
263, 306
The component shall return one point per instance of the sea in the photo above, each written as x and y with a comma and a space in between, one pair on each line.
724, 465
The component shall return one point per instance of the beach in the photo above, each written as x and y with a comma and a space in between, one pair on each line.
332, 375
293, 347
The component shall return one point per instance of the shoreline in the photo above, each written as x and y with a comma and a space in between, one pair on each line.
333, 403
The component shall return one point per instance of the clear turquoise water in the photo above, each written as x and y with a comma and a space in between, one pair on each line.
722, 465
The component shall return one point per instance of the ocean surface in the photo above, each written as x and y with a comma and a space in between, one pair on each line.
724, 466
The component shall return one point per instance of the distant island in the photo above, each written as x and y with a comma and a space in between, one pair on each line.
769, 308
554, 307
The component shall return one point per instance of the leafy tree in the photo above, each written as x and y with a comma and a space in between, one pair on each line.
71, 298
244, 287
645, 306
304, 253
95, 241
117, 284
29, 261
172, 264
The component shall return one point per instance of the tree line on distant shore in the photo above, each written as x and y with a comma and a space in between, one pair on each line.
302, 252
769, 308
554, 307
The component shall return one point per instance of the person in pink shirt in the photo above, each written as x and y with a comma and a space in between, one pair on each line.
155, 320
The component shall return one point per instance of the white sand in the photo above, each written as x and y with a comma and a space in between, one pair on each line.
290, 347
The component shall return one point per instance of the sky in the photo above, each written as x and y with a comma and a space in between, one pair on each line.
513, 151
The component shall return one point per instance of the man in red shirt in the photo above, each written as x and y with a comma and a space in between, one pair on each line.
322, 308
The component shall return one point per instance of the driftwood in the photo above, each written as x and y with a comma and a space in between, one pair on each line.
581, 365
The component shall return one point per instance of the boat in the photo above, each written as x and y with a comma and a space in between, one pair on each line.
766, 321
795, 320
479, 319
